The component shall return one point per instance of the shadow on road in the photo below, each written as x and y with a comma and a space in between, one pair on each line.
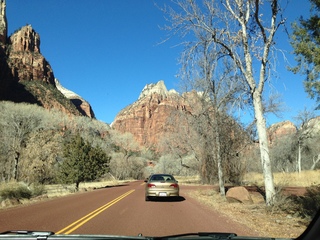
112, 186
167, 199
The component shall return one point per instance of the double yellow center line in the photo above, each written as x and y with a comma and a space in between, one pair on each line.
75, 225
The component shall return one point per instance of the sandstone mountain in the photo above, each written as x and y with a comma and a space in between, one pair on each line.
280, 129
147, 117
82, 105
26, 76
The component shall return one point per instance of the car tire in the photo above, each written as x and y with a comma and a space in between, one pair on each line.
147, 198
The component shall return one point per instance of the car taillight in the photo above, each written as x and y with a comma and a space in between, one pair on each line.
150, 185
175, 185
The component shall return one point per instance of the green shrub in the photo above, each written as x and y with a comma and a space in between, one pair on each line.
15, 191
38, 189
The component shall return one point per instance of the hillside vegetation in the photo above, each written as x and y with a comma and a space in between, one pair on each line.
38, 147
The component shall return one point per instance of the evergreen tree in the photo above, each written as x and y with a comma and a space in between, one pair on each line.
82, 162
306, 44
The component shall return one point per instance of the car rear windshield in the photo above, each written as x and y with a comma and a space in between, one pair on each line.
166, 178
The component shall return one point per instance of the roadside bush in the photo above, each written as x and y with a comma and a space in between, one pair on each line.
305, 206
15, 191
282, 203
309, 204
38, 189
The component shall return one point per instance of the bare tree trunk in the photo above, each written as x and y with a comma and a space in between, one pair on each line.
220, 173
315, 161
15, 169
264, 150
218, 152
299, 157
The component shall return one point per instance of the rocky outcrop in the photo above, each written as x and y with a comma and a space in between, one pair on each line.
25, 59
82, 105
281, 129
158, 88
26, 76
147, 118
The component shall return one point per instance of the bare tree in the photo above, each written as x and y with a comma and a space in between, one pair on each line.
220, 88
126, 143
243, 34
39, 158
283, 153
306, 130
18, 122
126, 161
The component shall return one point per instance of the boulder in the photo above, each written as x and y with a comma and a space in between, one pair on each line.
239, 194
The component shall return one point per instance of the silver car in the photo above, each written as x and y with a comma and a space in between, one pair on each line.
161, 185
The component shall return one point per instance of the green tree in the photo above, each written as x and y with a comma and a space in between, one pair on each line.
82, 162
305, 41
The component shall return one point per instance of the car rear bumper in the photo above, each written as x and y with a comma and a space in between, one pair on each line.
162, 194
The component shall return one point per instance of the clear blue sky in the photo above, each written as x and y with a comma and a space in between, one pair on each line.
107, 50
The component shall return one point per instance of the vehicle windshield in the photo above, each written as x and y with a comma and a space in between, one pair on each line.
162, 177
140, 118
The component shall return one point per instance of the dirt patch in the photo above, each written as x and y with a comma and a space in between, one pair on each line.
264, 222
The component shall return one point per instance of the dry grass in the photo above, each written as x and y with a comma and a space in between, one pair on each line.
188, 179
60, 190
257, 216
303, 179
254, 216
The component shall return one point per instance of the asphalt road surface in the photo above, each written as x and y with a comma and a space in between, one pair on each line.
119, 210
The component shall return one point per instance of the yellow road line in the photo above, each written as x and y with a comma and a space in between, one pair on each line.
73, 226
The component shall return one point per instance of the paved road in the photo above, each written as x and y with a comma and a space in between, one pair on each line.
119, 210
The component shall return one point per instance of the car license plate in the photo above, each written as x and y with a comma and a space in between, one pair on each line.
162, 194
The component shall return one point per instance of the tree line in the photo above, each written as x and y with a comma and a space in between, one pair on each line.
48, 146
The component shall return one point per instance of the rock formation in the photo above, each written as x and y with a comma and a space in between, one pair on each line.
3, 23
26, 76
281, 129
26, 61
81, 104
146, 118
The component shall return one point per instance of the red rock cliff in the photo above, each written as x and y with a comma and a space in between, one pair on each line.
25, 59
26, 76
281, 129
146, 118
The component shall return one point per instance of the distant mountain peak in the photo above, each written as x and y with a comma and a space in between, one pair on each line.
159, 88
